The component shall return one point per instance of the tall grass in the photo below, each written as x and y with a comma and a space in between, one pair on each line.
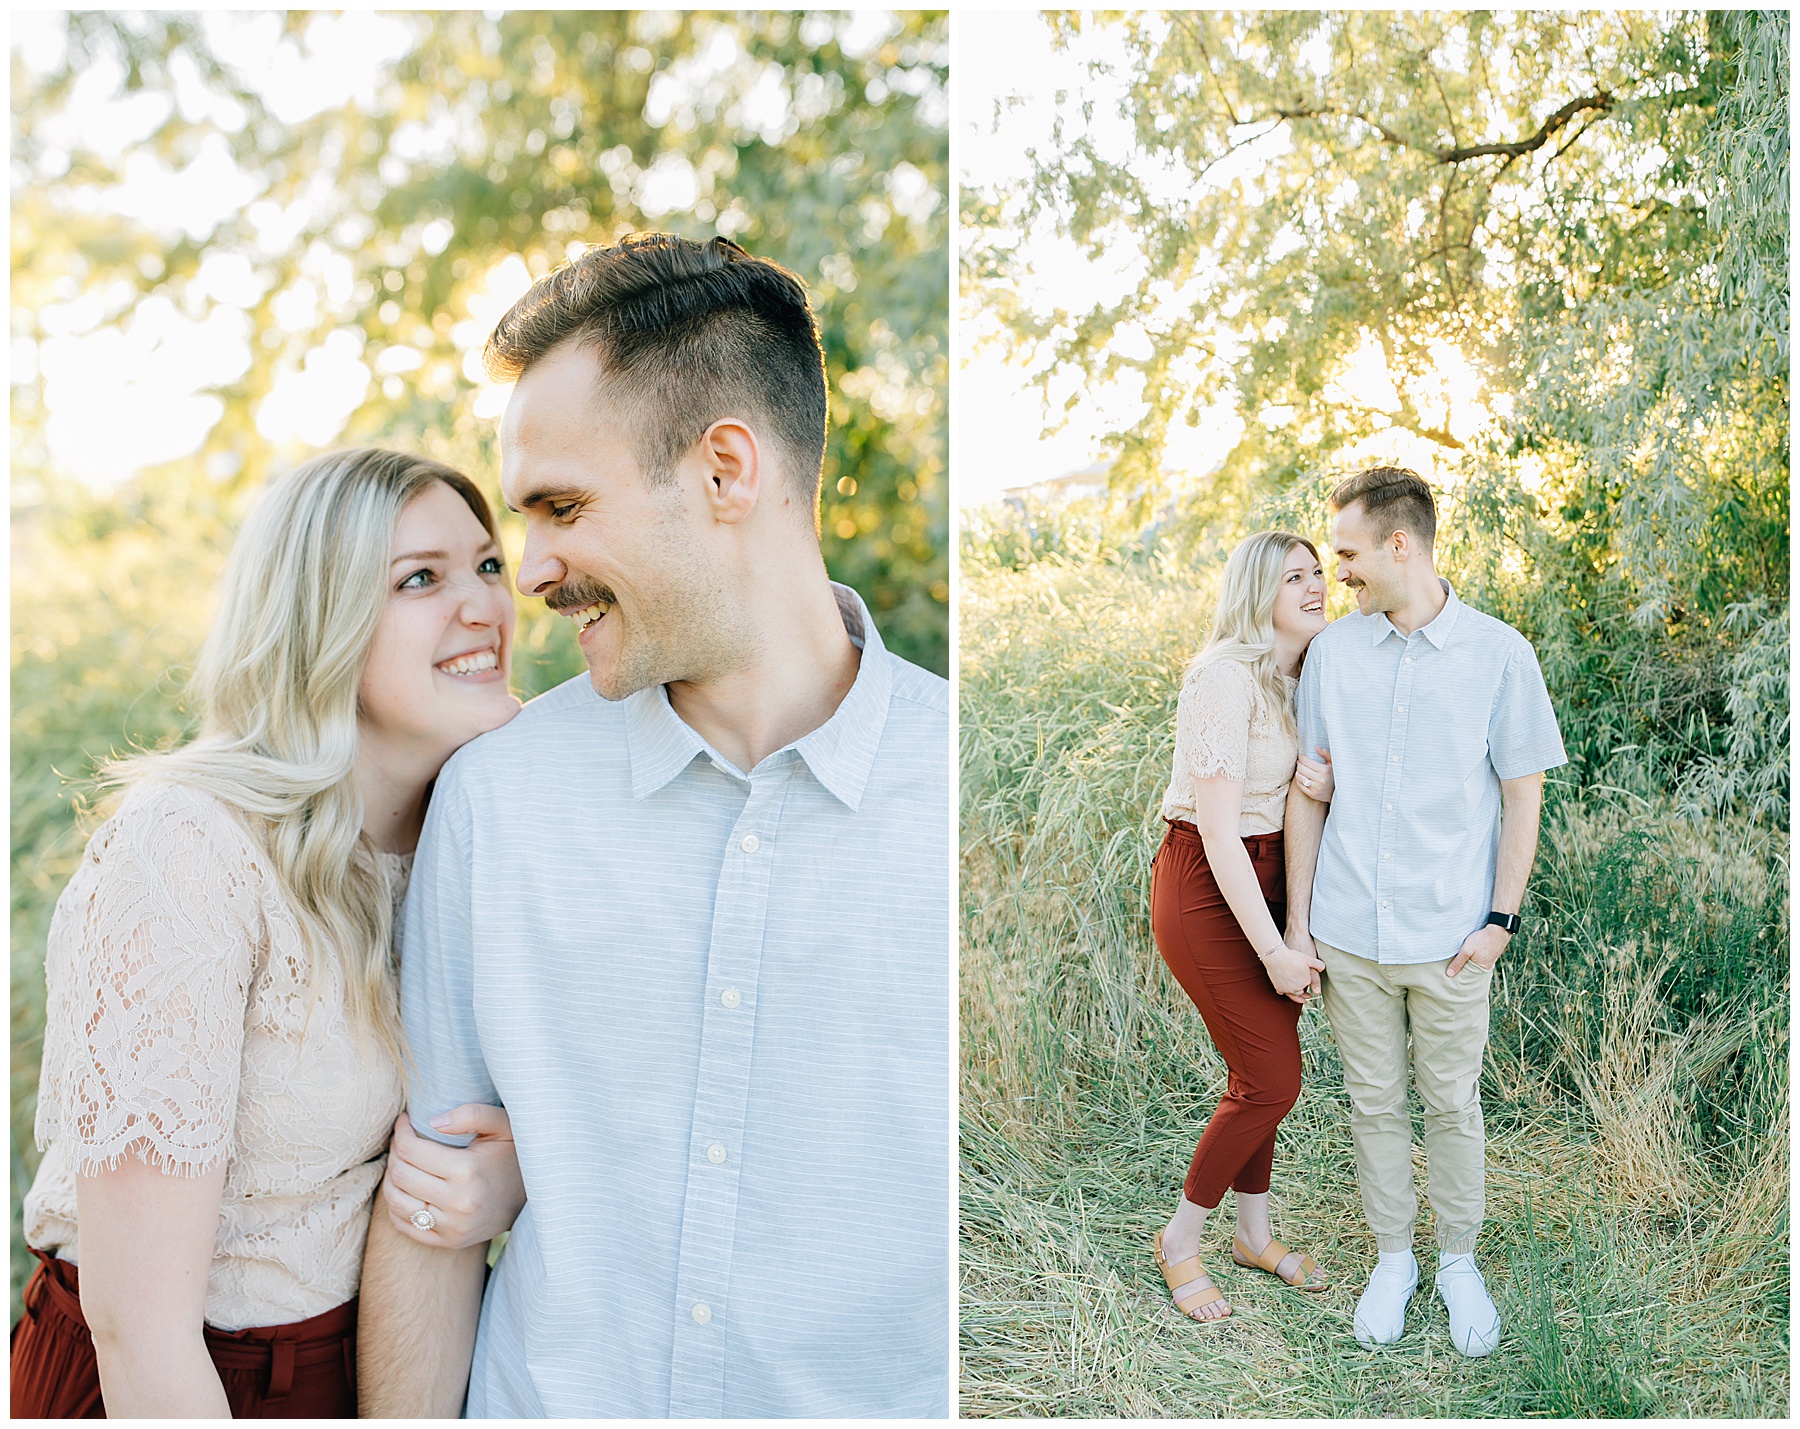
1635, 1084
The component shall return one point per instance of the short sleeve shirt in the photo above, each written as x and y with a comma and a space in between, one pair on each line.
1421, 730
186, 1024
1224, 726
715, 1004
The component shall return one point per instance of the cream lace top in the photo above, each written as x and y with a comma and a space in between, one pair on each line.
177, 1022
1223, 726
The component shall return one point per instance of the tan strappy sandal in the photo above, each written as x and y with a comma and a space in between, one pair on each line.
1181, 1273
1299, 1268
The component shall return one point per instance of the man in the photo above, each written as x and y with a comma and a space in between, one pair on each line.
689, 922
1439, 730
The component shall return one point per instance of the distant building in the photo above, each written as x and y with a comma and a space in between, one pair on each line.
1087, 484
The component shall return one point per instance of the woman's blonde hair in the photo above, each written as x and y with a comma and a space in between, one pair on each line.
1243, 626
276, 686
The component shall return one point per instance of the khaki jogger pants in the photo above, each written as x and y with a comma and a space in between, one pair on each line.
1372, 1007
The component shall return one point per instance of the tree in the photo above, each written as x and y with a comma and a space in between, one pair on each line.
1589, 208
819, 141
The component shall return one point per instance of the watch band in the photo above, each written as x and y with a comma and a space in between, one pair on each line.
1508, 921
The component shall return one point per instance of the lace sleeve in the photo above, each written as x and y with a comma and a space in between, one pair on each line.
148, 970
1213, 720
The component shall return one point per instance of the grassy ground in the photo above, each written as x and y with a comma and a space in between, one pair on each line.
1635, 1086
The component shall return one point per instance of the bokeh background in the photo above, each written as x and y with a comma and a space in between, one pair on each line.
241, 238
1211, 262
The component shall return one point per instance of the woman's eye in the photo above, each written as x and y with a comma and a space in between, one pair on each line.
418, 580
492, 566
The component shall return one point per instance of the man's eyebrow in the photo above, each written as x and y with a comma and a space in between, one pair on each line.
540, 497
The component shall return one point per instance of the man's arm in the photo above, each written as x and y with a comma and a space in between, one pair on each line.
1522, 804
1303, 829
415, 1325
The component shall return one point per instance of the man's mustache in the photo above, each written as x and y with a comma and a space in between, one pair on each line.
578, 595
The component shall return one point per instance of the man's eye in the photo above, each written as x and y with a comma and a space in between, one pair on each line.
418, 580
561, 513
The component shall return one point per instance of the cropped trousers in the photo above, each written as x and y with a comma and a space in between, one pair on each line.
305, 1370
1254, 1027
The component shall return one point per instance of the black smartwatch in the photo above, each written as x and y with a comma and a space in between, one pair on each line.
1508, 921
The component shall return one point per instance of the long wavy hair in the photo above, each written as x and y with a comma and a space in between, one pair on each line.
1243, 627
276, 686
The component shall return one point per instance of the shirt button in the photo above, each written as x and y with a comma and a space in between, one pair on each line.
702, 1313
751, 843
1387, 855
731, 997
1388, 807
716, 1154
1408, 660
1393, 759
1399, 709
1384, 903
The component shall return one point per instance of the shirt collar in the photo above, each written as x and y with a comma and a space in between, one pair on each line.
840, 752
1437, 632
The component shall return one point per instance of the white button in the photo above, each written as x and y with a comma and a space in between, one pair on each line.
702, 1313
1384, 903
716, 1154
751, 843
1393, 759
1408, 660
1388, 807
731, 997
1399, 709
1387, 855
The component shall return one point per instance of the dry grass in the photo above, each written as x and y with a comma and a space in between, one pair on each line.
1636, 1086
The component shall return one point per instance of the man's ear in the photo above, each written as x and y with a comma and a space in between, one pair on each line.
732, 464
1401, 543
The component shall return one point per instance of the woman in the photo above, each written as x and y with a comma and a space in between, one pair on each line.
1218, 895
222, 1049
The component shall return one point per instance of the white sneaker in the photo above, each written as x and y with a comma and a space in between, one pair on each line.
1474, 1322
1381, 1312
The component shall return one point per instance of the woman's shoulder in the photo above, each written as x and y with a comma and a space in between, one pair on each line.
177, 829
1220, 678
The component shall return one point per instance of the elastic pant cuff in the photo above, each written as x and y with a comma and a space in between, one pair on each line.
1391, 1243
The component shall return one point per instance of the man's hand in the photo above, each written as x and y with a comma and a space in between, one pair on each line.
1482, 947
1301, 941
1292, 973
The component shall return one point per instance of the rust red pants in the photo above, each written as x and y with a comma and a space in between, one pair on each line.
1255, 1028
300, 1371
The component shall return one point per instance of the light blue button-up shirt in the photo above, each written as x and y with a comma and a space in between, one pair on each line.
1421, 729
716, 1007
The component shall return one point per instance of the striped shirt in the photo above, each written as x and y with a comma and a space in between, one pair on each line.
1421, 729
715, 1005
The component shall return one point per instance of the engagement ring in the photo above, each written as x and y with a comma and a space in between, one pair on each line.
423, 1219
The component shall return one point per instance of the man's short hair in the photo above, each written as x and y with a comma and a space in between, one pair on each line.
686, 333
1393, 499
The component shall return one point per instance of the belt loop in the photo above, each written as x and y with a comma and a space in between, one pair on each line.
281, 1368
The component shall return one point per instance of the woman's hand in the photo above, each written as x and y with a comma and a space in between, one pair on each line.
1315, 778
1291, 972
474, 1192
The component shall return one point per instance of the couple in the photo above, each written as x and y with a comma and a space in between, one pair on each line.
685, 921
1383, 879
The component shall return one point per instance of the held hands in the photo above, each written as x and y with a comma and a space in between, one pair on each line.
1315, 778
1482, 947
474, 1191
1294, 967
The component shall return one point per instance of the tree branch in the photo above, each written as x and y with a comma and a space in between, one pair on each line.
1600, 102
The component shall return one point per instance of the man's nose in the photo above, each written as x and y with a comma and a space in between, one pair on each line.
539, 571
